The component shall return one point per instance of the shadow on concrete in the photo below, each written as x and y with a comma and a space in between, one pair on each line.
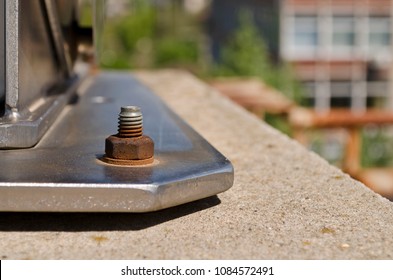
75, 222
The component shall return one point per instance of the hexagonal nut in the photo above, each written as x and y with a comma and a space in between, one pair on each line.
129, 148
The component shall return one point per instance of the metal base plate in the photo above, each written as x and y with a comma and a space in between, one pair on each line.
64, 171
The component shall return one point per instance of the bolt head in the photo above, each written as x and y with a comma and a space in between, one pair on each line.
129, 148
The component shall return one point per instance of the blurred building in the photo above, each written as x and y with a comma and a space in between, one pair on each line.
341, 50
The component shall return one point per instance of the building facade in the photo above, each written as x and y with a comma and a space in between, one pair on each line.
341, 51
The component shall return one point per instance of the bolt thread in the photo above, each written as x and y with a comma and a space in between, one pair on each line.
130, 122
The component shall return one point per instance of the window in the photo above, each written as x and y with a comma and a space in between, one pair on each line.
340, 102
343, 31
340, 94
341, 89
305, 31
376, 102
377, 94
379, 32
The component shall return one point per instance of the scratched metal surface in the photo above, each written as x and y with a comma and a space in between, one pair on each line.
64, 173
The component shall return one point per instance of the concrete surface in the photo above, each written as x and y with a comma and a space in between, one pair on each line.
286, 203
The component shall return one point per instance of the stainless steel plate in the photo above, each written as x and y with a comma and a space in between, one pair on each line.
64, 173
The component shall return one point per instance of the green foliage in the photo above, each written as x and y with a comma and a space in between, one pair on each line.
146, 38
246, 55
121, 36
85, 15
136, 26
279, 122
377, 148
172, 51
282, 78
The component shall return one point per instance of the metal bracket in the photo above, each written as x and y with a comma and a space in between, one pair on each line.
64, 173
38, 80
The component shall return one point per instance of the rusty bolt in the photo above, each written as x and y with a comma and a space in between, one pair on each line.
129, 145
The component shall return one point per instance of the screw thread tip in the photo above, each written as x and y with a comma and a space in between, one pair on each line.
130, 122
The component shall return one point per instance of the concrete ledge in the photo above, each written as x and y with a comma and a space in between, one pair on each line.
286, 203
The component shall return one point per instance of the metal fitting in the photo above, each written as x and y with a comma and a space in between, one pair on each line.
129, 146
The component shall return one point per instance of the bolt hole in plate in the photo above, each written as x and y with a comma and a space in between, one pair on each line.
63, 172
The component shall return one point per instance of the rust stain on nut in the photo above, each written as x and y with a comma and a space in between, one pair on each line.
129, 148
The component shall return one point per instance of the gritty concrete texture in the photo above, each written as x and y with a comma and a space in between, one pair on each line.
286, 203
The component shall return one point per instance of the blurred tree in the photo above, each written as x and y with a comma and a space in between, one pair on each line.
172, 51
246, 55
151, 35
129, 36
